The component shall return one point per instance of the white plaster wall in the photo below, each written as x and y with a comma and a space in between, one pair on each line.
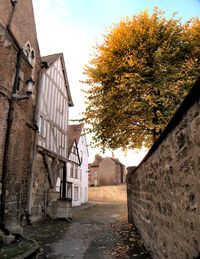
82, 146
75, 183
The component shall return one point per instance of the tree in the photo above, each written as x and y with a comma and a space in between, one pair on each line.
138, 76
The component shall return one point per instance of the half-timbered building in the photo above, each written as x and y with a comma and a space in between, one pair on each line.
51, 145
77, 167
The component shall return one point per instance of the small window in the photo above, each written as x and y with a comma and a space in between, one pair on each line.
40, 124
31, 57
27, 50
69, 190
95, 173
76, 172
71, 170
29, 53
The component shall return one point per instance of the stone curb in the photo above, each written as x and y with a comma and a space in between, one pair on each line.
32, 251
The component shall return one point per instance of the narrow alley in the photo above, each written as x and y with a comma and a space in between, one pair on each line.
98, 230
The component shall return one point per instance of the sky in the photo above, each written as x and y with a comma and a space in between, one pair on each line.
73, 26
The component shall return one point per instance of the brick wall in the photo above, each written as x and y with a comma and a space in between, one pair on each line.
22, 130
108, 193
164, 190
92, 178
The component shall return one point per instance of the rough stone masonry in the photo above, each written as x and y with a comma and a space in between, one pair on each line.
164, 190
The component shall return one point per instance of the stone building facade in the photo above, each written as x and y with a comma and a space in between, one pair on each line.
20, 61
164, 190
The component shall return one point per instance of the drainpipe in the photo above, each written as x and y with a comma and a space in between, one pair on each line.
36, 118
9, 119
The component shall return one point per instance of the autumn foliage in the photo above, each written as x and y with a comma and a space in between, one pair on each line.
138, 76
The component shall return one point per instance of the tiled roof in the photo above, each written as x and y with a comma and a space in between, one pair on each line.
97, 160
74, 133
50, 59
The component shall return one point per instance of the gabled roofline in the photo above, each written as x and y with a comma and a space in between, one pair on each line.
70, 149
48, 61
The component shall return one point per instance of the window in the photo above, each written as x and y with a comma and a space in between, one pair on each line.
71, 170
95, 173
40, 124
75, 193
76, 172
89, 178
29, 53
27, 50
31, 57
69, 190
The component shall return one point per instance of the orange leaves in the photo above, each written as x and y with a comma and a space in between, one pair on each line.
137, 77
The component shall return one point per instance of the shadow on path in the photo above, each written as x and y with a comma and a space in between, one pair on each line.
98, 230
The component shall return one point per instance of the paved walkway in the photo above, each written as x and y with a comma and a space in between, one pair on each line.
94, 233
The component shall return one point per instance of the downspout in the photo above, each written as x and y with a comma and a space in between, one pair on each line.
9, 119
36, 118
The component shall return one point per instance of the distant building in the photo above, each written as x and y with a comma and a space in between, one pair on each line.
93, 176
106, 171
77, 167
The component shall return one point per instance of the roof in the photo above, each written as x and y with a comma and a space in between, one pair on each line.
74, 134
48, 61
98, 159
116, 160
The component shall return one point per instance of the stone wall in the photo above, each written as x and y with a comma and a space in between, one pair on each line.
164, 190
107, 193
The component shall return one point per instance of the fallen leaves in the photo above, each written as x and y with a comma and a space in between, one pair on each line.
131, 243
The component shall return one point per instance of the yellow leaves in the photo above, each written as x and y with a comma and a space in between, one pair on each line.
138, 75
